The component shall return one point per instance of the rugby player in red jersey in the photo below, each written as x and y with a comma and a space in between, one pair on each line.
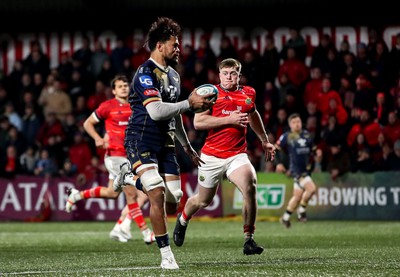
225, 152
115, 114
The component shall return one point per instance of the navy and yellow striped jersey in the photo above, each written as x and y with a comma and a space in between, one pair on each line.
299, 147
150, 84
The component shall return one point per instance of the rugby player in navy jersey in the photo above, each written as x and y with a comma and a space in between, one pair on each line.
299, 145
154, 127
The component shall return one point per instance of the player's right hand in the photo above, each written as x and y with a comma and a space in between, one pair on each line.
200, 102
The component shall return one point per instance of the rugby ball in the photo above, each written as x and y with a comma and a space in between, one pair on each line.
204, 90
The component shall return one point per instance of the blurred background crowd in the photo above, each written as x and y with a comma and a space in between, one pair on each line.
349, 102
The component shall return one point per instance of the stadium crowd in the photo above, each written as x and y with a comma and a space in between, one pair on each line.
349, 101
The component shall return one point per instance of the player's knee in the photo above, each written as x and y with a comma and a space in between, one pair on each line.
173, 192
151, 179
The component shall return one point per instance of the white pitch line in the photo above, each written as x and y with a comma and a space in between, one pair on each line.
85, 270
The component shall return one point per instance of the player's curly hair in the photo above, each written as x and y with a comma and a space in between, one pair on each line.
162, 30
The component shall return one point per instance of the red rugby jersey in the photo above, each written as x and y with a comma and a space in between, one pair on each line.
226, 142
115, 116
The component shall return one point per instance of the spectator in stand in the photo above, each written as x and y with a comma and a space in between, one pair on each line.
70, 126
337, 160
270, 60
226, 49
365, 94
16, 139
97, 59
285, 88
52, 127
374, 38
94, 169
333, 67
25, 85
127, 69
64, 68
140, 53
78, 85
251, 68
29, 99
362, 60
12, 82
56, 101
380, 67
396, 104
392, 130
68, 169
36, 61
4, 98
395, 89
312, 112
10, 166
96, 98
350, 69
37, 83
270, 93
395, 61
368, 127
14, 118
392, 161
107, 72
120, 52
380, 152
28, 160
319, 55
297, 42
245, 47
80, 152
326, 94
332, 133
84, 53
295, 69
45, 165
360, 154
346, 92
313, 86
380, 110
81, 111
335, 110
280, 124
200, 76
205, 53
5, 125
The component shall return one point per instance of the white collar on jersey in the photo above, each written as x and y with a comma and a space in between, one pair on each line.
165, 68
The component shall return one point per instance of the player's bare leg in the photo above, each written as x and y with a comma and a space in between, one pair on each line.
154, 187
291, 206
245, 179
200, 200
309, 191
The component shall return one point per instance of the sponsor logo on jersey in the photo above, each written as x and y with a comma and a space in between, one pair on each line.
122, 123
150, 92
146, 81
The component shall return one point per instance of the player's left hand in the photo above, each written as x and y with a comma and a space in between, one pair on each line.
269, 150
193, 155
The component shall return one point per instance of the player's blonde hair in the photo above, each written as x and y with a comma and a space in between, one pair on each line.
230, 63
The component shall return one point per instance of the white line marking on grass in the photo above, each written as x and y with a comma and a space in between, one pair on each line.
84, 270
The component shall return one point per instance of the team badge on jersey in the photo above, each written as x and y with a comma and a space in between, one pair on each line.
248, 101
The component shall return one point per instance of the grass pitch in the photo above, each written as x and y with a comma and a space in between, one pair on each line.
212, 248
